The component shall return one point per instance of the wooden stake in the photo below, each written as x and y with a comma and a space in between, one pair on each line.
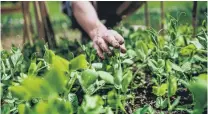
162, 17
146, 13
49, 33
27, 23
194, 13
39, 21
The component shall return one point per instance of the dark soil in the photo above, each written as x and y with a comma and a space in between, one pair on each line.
145, 96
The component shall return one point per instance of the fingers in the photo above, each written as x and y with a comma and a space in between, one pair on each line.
123, 48
111, 37
108, 37
99, 51
102, 44
118, 37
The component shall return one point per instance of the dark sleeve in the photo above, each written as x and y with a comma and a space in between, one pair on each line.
66, 8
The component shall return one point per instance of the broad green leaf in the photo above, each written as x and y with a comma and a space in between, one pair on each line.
160, 63
36, 87
118, 76
60, 63
107, 77
60, 105
168, 66
198, 88
186, 66
200, 58
131, 53
142, 46
43, 108
91, 105
88, 77
160, 90
56, 61
145, 110
93, 87
176, 67
16, 57
152, 64
79, 62
203, 77
162, 41
185, 51
160, 103
48, 56
73, 100
97, 65
128, 61
32, 69
20, 92
172, 85
140, 55
54, 106
108, 110
5, 109
112, 98
197, 43
56, 79
23, 109
127, 78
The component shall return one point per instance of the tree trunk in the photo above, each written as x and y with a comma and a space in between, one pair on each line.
146, 12
194, 13
162, 17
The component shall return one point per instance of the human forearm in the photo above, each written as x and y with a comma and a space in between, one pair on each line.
86, 16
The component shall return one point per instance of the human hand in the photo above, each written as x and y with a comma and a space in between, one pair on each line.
104, 37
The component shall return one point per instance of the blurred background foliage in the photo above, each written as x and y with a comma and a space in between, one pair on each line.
12, 23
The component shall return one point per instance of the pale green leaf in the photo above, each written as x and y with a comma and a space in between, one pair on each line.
107, 77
